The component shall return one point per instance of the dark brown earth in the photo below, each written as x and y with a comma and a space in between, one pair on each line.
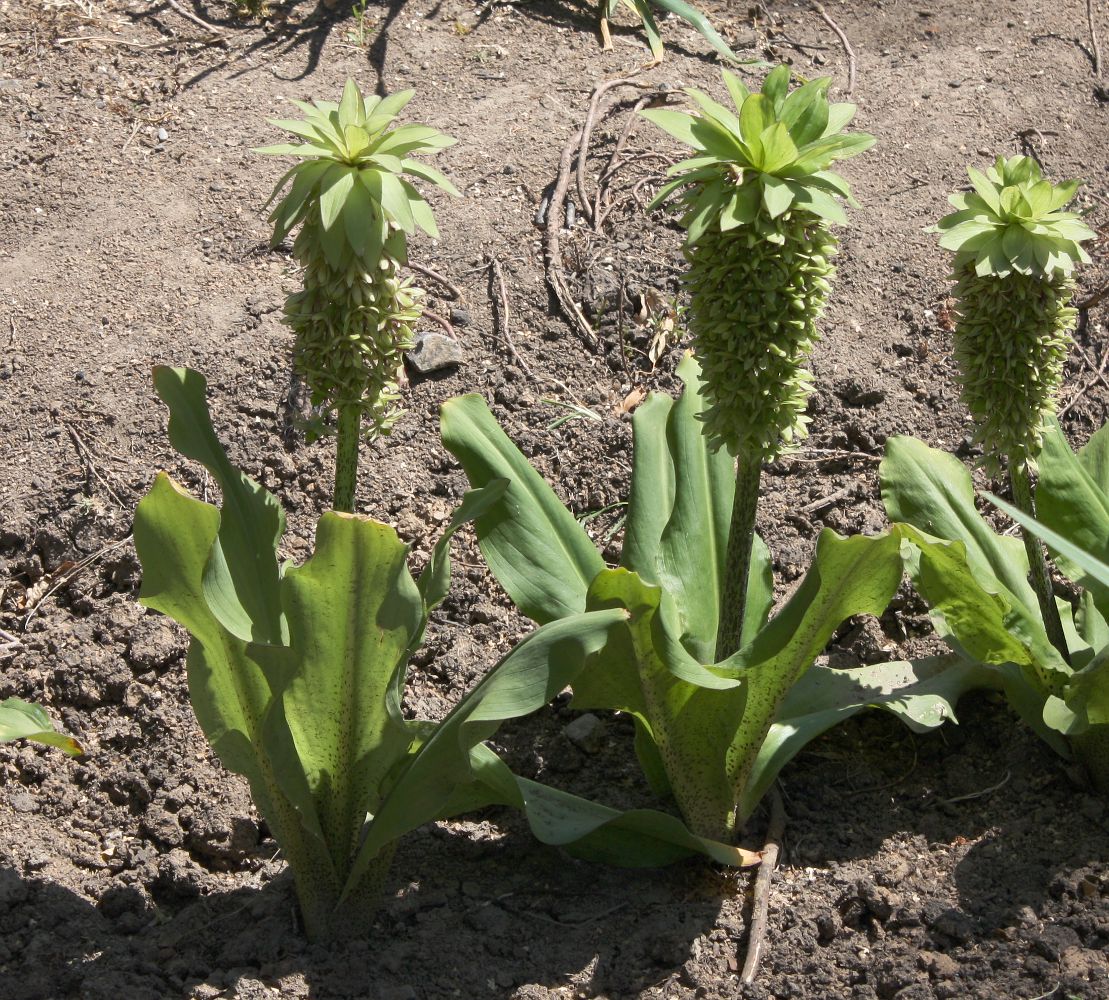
966, 863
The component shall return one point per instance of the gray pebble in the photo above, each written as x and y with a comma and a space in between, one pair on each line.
433, 352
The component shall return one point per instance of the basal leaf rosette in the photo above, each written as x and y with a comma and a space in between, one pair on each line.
356, 207
1015, 252
758, 199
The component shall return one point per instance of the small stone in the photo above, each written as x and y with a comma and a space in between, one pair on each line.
163, 135
586, 731
460, 317
434, 352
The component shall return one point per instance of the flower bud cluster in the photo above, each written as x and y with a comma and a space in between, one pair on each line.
1011, 343
754, 308
352, 328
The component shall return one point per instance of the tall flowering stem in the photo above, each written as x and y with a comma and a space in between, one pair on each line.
1015, 252
353, 316
759, 200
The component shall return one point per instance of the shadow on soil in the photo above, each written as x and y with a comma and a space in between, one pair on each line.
491, 914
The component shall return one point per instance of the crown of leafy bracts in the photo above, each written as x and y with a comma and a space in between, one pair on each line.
353, 167
768, 157
1011, 222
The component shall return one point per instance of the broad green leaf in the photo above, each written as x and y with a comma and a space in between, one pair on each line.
676, 123
805, 111
775, 85
737, 90
421, 211
241, 577
777, 195
535, 547
742, 208
723, 117
435, 580
755, 117
412, 138
353, 611
230, 691
305, 130
985, 188
388, 191
650, 28
839, 117
932, 491
691, 725
352, 110
305, 178
387, 109
689, 13
1070, 501
1095, 458
922, 693
651, 494
20, 720
424, 172
848, 576
760, 591
531, 675
817, 202
637, 838
778, 149
694, 541
359, 218
985, 620
335, 186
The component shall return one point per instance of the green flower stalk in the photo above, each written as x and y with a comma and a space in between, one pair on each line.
759, 200
353, 318
1015, 253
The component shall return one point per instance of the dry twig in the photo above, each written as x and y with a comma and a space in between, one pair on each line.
453, 290
190, 16
556, 280
501, 315
9, 644
1095, 48
586, 134
760, 901
1098, 376
979, 794
91, 471
819, 8
442, 321
71, 574
579, 145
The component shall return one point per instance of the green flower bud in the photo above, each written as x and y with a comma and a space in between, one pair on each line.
1015, 251
353, 319
758, 199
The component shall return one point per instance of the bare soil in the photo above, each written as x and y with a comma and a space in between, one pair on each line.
964, 864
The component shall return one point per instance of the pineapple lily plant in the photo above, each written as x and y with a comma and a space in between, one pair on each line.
758, 201
720, 690
991, 596
355, 207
